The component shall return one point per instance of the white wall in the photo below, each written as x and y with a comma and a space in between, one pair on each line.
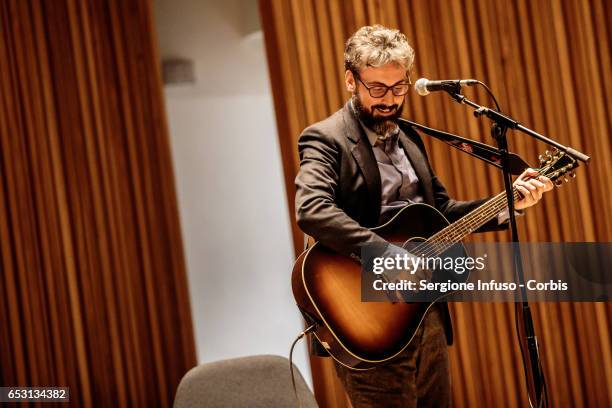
233, 210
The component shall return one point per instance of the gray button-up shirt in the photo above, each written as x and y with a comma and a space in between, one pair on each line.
398, 180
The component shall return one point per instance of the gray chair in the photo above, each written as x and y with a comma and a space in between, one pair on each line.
256, 381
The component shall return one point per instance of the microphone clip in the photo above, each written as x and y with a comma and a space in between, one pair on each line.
452, 87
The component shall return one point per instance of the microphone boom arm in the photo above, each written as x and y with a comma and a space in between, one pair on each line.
510, 123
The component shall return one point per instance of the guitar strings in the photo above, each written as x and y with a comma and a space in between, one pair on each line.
449, 236
477, 215
440, 243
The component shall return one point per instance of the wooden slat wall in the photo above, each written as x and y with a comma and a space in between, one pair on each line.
93, 289
549, 64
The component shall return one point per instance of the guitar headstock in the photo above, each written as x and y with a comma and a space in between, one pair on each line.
557, 166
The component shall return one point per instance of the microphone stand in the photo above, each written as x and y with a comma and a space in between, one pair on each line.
536, 384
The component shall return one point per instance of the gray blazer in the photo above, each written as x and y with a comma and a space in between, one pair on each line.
338, 192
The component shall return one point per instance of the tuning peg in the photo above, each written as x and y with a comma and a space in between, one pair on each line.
573, 174
566, 179
558, 182
541, 159
547, 153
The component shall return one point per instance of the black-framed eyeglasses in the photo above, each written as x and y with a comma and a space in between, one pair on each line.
379, 91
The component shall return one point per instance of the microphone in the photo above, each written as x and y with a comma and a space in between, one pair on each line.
424, 86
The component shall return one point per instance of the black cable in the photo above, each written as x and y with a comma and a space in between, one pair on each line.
490, 94
298, 338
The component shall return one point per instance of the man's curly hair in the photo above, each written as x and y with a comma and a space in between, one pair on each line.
375, 46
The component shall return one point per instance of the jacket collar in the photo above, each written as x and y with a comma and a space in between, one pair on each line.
408, 140
364, 156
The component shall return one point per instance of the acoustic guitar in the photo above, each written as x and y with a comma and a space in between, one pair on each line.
327, 286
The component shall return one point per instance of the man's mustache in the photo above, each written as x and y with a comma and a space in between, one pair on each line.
380, 106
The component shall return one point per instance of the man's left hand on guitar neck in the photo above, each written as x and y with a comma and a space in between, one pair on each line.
532, 187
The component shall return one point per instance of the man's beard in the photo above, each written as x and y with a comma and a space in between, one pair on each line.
381, 125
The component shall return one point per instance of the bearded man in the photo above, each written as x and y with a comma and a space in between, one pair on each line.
360, 166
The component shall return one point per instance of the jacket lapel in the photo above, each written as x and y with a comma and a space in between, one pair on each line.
418, 161
364, 156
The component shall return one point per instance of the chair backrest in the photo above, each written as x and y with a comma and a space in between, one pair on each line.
256, 381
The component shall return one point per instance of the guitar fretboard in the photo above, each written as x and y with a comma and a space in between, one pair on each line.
457, 231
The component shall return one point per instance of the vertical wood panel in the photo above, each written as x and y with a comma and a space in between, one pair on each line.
93, 290
534, 56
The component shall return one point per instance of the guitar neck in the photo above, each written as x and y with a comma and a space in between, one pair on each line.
475, 219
